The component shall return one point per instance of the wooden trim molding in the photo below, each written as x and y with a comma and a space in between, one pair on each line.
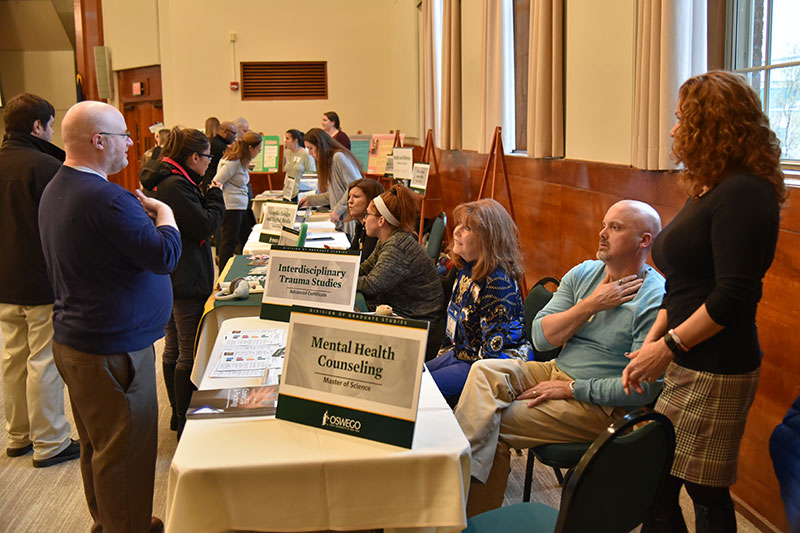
88, 34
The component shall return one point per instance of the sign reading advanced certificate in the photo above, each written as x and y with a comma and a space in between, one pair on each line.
315, 277
353, 373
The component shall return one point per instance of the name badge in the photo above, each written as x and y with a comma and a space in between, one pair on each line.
452, 318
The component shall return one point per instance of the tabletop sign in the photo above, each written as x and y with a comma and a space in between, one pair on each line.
276, 215
419, 180
389, 169
315, 277
353, 373
288, 188
403, 159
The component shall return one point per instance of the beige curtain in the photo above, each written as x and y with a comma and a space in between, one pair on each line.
428, 71
451, 76
671, 46
545, 129
497, 74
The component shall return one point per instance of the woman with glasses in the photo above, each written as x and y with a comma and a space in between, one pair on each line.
234, 177
399, 272
359, 194
485, 317
175, 180
337, 167
296, 159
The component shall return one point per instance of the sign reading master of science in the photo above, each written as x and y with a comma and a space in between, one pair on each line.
353, 373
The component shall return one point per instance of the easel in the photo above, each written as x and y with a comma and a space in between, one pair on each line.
496, 154
384, 180
434, 183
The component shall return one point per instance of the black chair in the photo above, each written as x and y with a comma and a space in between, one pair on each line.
613, 489
537, 298
436, 235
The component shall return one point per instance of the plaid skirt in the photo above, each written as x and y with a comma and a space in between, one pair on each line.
709, 412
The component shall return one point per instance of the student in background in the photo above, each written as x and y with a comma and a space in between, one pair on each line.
212, 127
155, 152
485, 317
337, 167
359, 194
176, 180
235, 180
332, 126
399, 272
296, 159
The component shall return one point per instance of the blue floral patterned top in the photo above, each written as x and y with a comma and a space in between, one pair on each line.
485, 318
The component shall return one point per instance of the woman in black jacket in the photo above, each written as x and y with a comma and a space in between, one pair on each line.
175, 180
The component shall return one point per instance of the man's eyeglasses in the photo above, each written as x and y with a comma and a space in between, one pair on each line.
124, 134
209, 156
232, 132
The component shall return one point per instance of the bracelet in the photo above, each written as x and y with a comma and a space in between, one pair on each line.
672, 344
572, 387
678, 340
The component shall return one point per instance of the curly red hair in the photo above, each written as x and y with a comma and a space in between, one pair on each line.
722, 128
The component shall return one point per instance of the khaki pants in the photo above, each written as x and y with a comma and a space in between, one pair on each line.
116, 414
494, 422
33, 391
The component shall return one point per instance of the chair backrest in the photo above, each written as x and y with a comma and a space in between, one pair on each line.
436, 235
616, 485
537, 298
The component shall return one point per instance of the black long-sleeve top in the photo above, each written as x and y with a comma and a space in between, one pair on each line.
716, 251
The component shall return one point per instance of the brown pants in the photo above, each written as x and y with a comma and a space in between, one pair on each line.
494, 422
116, 414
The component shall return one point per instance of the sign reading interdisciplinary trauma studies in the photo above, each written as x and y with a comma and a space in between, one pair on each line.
353, 373
315, 277
276, 215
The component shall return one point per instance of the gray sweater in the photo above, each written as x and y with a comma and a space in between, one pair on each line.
343, 173
234, 178
399, 273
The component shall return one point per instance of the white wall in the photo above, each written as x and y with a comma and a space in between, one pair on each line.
130, 31
599, 80
49, 74
370, 47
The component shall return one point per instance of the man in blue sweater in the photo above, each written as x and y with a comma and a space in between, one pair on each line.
602, 310
109, 267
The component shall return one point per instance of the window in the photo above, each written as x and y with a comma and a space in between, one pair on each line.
764, 45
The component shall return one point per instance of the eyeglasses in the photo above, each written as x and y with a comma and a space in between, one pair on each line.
124, 134
209, 156
233, 132
367, 214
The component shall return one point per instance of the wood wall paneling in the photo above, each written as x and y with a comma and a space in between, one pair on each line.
559, 206
88, 34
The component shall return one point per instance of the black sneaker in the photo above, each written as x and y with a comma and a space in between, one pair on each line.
17, 452
73, 451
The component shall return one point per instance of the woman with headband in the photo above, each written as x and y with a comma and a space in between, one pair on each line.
399, 272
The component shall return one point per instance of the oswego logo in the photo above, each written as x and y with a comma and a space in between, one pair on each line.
338, 422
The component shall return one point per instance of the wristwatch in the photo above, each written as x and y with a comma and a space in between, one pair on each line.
572, 387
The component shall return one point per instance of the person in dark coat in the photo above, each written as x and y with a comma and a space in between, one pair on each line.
33, 391
176, 180
784, 448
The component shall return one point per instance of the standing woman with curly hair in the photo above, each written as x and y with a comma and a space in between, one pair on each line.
337, 167
235, 178
399, 272
714, 255
485, 317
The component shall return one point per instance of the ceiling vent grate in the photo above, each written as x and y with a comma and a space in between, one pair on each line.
285, 80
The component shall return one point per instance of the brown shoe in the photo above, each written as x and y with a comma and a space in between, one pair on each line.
156, 525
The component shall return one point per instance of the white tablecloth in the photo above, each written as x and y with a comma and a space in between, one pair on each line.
264, 474
319, 227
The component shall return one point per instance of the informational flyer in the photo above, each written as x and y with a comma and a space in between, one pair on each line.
247, 353
380, 146
288, 188
267, 160
276, 215
419, 179
317, 277
353, 373
403, 162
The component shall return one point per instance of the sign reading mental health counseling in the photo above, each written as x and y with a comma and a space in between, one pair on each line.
314, 277
277, 214
353, 373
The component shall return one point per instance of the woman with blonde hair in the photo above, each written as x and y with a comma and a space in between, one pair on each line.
399, 272
232, 173
485, 317
714, 255
337, 167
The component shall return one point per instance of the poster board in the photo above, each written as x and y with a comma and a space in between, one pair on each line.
403, 162
314, 277
381, 145
353, 373
267, 160
419, 178
359, 145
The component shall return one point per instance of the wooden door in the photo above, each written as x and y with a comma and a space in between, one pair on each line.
140, 111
